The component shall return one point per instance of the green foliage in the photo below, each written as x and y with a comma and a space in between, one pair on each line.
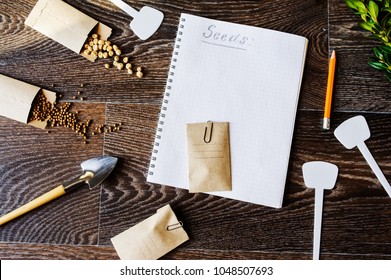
383, 62
376, 18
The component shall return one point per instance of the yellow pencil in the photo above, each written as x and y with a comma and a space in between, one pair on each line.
329, 92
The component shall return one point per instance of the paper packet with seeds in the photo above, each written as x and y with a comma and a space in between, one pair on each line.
66, 25
209, 157
151, 238
16, 100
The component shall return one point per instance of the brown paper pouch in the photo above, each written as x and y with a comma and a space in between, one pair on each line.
16, 98
65, 24
209, 157
151, 238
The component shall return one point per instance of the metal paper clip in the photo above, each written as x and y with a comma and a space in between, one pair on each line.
210, 133
174, 226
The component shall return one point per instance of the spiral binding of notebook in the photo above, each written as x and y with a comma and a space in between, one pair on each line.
167, 93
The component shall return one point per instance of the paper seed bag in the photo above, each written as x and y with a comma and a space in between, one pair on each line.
65, 24
209, 157
16, 98
151, 238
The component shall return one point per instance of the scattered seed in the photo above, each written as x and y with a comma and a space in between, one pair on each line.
100, 48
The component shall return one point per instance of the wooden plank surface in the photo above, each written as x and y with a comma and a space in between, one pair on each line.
79, 225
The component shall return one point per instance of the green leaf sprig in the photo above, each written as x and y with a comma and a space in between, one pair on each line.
376, 18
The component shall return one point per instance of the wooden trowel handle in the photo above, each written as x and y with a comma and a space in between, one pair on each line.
50, 195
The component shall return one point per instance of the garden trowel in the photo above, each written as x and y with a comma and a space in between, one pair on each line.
95, 171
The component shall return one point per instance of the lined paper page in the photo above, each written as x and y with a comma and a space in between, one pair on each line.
247, 76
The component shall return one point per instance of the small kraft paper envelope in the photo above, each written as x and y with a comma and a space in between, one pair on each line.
66, 25
151, 238
16, 99
209, 157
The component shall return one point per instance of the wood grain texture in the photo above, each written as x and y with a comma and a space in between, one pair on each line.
79, 225
26, 251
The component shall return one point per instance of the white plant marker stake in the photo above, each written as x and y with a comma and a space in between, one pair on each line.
145, 22
320, 176
353, 132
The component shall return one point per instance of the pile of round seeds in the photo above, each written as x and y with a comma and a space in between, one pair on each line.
104, 49
43, 110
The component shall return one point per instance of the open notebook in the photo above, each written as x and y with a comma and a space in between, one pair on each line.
247, 76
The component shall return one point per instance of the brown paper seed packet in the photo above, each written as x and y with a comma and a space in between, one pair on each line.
152, 238
16, 100
209, 157
66, 25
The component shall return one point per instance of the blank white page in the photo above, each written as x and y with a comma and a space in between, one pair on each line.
247, 76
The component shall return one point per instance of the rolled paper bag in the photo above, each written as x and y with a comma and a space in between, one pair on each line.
66, 25
17, 98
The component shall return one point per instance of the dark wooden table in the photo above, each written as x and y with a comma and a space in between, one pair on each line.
79, 225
